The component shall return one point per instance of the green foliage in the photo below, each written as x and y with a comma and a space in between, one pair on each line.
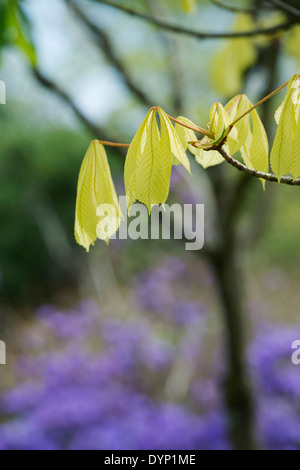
285, 154
235, 128
15, 29
251, 139
149, 160
95, 189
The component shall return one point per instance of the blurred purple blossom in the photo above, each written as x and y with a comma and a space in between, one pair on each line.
92, 382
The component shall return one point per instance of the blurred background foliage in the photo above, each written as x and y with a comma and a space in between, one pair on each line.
80, 70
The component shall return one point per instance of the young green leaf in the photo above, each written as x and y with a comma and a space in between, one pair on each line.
154, 171
186, 135
220, 127
133, 159
278, 112
236, 107
168, 133
203, 157
296, 150
251, 138
207, 158
283, 157
149, 161
94, 191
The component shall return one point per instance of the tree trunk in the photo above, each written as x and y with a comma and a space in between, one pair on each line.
237, 390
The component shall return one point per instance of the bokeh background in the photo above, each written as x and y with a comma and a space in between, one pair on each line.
142, 344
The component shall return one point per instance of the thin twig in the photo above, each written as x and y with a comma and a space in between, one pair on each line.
286, 8
196, 34
259, 103
258, 174
218, 3
112, 144
200, 130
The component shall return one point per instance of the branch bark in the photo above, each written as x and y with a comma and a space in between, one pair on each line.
258, 174
196, 34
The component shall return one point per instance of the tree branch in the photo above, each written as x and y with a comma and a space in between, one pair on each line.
196, 34
56, 89
258, 174
107, 48
286, 8
232, 8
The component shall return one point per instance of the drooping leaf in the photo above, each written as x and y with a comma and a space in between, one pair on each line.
154, 171
296, 150
236, 107
169, 133
283, 158
220, 126
133, 159
259, 147
186, 135
278, 112
219, 122
251, 138
148, 163
95, 192
207, 158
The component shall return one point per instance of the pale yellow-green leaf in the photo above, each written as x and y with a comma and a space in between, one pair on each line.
203, 157
219, 121
185, 134
282, 159
296, 127
167, 129
295, 98
219, 126
255, 151
251, 136
133, 158
154, 171
278, 113
235, 108
109, 221
296, 151
207, 158
95, 187
259, 147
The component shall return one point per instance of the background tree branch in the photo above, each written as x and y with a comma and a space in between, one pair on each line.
196, 34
